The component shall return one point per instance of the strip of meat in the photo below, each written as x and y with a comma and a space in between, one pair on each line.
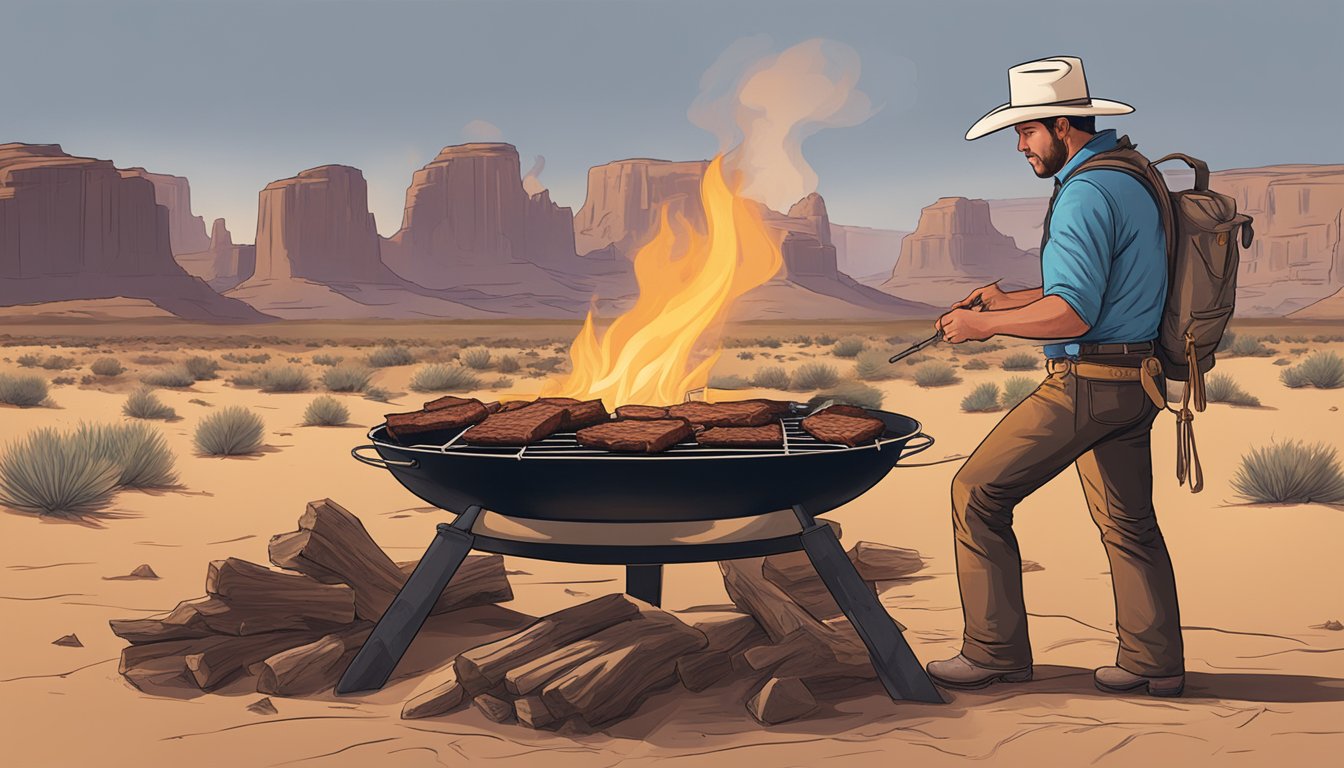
585, 414
841, 409
402, 425
777, 407
642, 412
447, 400
523, 426
739, 414
768, 436
635, 435
847, 430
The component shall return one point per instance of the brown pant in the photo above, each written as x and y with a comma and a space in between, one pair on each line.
1103, 427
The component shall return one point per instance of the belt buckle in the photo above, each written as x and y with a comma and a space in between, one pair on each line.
1061, 365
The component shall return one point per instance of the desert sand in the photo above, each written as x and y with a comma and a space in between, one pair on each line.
1264, 687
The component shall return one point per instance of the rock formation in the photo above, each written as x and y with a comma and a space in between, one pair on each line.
466, 212
866, 251
956, 248
186, 232
78, 228
224, 264
622, 208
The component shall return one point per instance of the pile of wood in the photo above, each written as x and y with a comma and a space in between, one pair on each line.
597, 661
294, 629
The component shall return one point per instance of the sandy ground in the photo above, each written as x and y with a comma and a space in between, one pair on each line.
1263, 687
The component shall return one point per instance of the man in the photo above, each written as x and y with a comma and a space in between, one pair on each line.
1103, 273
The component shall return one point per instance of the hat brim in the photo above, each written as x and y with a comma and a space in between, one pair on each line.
1008, 115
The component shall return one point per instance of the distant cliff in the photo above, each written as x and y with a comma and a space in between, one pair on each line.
186, 231
624, 201
78, 228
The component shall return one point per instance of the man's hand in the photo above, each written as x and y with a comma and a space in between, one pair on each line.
966, 325
991, 296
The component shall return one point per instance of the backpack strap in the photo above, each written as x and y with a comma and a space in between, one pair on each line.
1200, 168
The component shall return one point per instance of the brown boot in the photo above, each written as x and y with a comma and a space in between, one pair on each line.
961, 672
1117, 680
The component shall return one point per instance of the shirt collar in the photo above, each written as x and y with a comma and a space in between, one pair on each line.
1102, 142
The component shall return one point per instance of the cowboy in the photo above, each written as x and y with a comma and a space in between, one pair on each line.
1103, 285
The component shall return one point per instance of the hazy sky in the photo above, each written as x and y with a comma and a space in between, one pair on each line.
234, 95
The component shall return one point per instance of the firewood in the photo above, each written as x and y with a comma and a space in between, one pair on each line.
242, 583
313, 667
480, 580
532, 712
181, 623
161, 664
793, 573
437, 695
531, 676
698, 671
882, 562
781, 700
494, 708
612, 684
217, 663
772, 607
332, 546
728, 633
482, 668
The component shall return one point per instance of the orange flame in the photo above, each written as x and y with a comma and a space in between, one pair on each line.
654, 353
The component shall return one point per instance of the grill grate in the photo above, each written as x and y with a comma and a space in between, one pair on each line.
565, 445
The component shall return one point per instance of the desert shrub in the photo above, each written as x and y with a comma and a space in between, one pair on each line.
150, 360
231, 431
825, 340
88, 379
508, 364
107, 366
1270, 338
1222, 388
24, 391
746, 355
139, 452
325, 411
850, 393
1283, 361
47, 472
245, 379
175, 376
917, 358
1326, 338
770, 377
809, 376
1245, 346
144, 404
28, 361
390, 356
476, 358
769, 342
1290, 472
201, 367
440, 377
984, 398
872, 365
850, 346
244, 358
377, 393
802, 340
1016, 389
1323, 370
975, 364
347, 378
283, 378
61, 380
935, 373
1229, 338
1021, 361
1298, 350
503, 382
325, 359
547, 364
58, 363
1296, 339
728, 381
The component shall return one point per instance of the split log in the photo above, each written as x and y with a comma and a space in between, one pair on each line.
480, 580
532, 712
161, 664
781, 700
728, 634
313, 667
494, 708
218, 662
242, 583
608, 686
772, 608
205, 616
438, 695
333, 547
181, 623
531, 676
482, 668
794, 573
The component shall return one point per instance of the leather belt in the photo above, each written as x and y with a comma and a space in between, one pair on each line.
1146, 373
1127, 348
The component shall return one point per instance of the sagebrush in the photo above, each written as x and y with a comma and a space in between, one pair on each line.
230, 431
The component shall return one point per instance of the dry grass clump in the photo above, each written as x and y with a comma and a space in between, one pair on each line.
935, 373
975, 364
1291, 472
1246, 346
850, 346
202, 368
390, 356
51, 472
176, 376
770, 377
1222, 388
1016, 389
508, 364
728, 381
476, 358
440, 377
230, 431
1021, 361
982, 399
283, 378
23, 391
1323, 370
347, 378
872, 365
810, 376
139, 452
325, 411
244, 358
325, 359
850, 393
107, 366
144, 404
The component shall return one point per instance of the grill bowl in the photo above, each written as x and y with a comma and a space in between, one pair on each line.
560, 480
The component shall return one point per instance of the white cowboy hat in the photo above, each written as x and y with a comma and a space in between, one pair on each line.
1053, 87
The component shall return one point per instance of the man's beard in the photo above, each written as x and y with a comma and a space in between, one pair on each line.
1054, 158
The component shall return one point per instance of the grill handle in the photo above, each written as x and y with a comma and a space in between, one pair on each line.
917, 444
379, 461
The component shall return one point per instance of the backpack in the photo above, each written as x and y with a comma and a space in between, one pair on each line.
1202, 228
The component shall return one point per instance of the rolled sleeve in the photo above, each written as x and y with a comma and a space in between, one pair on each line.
1077, 258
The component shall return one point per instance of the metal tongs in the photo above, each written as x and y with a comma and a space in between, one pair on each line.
934, 339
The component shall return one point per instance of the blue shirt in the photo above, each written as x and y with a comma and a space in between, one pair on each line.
1107, 253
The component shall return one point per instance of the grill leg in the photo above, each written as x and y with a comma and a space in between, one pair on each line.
402, 620
645, 582
896, 665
